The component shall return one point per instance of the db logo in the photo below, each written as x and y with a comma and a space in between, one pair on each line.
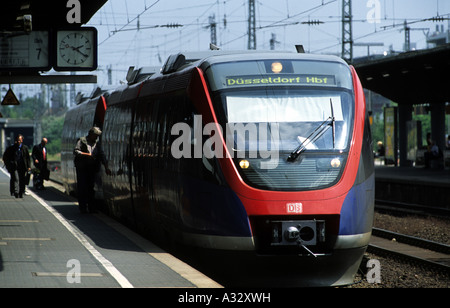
294, 207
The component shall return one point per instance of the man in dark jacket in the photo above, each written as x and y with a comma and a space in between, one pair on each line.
89, 156
39, 155
17, 161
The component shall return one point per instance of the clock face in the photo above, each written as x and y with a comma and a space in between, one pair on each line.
76, 49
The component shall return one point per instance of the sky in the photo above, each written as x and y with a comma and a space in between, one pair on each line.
145, 32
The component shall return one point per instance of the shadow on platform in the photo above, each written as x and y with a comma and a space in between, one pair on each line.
90, 225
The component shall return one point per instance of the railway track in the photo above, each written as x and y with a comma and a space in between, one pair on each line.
432, 255
407, 208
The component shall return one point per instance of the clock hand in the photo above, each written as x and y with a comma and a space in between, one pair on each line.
84, 55
78, 50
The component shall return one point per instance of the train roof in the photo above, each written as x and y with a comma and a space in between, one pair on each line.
136, 75
179, 61
246, 55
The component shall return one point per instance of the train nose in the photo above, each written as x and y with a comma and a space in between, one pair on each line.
291, 234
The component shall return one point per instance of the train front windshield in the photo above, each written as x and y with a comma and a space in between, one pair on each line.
288, 124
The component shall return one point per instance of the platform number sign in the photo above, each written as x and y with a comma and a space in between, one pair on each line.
25, 52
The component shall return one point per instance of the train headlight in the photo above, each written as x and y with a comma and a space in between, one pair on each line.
335, 163
328, 164
244, 164
277, 67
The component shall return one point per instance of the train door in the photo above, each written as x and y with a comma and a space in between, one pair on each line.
116, 144
99, 117
141, 157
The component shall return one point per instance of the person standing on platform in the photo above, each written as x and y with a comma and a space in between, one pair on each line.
39, 155
381, 151
89, 156
17, 161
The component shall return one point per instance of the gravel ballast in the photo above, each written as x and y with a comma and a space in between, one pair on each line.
399, 274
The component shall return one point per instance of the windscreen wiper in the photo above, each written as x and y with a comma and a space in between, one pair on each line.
333, 122
316, 134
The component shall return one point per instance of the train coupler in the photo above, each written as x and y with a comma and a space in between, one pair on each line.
298, 232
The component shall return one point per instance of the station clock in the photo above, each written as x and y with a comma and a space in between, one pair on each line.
76, 49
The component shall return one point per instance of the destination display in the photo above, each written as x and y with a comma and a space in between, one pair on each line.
25, 51
285, 79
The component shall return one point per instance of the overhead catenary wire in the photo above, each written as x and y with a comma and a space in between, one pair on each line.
130, 21
162, 34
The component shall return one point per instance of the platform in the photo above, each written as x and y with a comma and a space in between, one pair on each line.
46, 242
416, 185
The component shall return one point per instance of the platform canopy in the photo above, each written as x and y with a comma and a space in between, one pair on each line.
415, 77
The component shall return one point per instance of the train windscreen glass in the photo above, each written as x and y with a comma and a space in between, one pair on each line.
289, 130
292, 114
